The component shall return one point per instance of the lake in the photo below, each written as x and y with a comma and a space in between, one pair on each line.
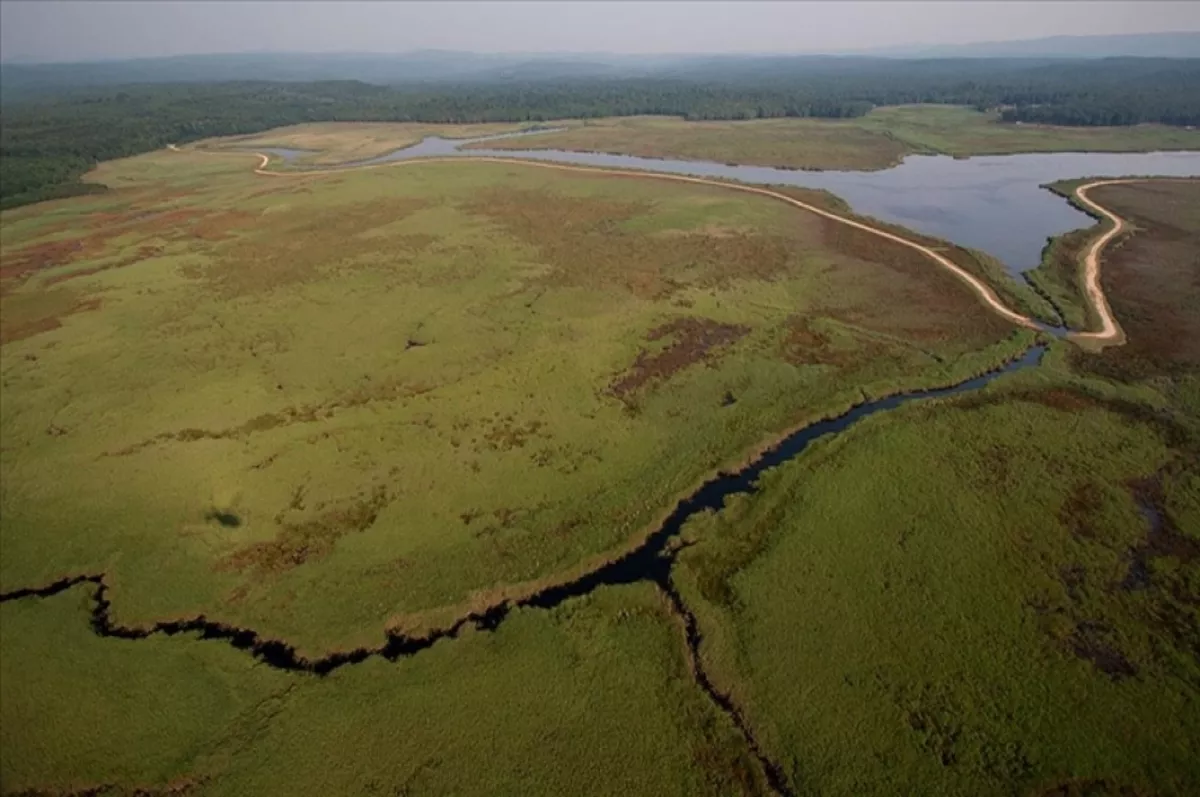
994, 203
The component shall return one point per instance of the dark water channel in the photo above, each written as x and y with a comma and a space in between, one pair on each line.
991, 203
651, 561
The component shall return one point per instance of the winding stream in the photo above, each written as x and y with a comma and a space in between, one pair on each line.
651, 561
994, 204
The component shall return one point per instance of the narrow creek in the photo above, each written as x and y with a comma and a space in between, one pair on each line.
652, 561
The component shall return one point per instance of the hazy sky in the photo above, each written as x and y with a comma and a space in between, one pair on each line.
58, 30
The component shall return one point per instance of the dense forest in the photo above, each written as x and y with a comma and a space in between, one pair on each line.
48, 140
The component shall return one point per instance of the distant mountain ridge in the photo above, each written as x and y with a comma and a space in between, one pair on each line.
1173, 44
442, 66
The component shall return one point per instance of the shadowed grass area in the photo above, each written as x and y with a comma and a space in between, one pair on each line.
877, 140
949, 582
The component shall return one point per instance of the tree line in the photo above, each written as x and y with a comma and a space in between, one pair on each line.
47, 143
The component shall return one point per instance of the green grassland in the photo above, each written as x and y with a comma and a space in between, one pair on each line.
324, 406
974, 596
327, 143
877, 140
416, 389
597, 692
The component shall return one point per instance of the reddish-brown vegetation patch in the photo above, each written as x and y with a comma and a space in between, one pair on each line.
1152, 280
802, 345
506, 434
1090, 641
582, 240
144, 252
177, 224
1091, 787
308, 540
692, 340
305, 247
926, 304
1078, 512
18, 329
305, 413
20, 264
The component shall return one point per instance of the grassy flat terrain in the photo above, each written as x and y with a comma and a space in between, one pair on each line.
875, 141
319, 407
323, 406
993, 594
597, 692
344, 142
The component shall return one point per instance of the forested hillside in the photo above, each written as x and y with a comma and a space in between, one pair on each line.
49, 140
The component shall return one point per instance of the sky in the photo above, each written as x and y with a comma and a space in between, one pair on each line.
67, 30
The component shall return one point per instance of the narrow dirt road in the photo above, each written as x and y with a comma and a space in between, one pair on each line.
981, 288
1110, 332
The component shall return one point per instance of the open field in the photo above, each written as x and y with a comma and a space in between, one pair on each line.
542, 704
992, 594
875, 141
327, 406
331, 405
346, 142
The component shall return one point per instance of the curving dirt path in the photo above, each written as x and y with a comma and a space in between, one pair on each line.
980, 288
1110, 332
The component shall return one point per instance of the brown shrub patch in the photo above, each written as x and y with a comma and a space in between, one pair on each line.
693, 340
1163, 539
1091, 787
926, 302
305, 413
1088, 642
1078, 512
27, 328
1152, 280
582, 241
506, 434
178, 224
803, 345
308, 540
302, 249
20, 264
144, 252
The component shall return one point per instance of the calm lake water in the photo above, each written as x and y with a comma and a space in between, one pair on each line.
992, 203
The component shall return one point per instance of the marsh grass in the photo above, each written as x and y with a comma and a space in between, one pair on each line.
326, 406
878, 140
420, 387
992, 593
596, 692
